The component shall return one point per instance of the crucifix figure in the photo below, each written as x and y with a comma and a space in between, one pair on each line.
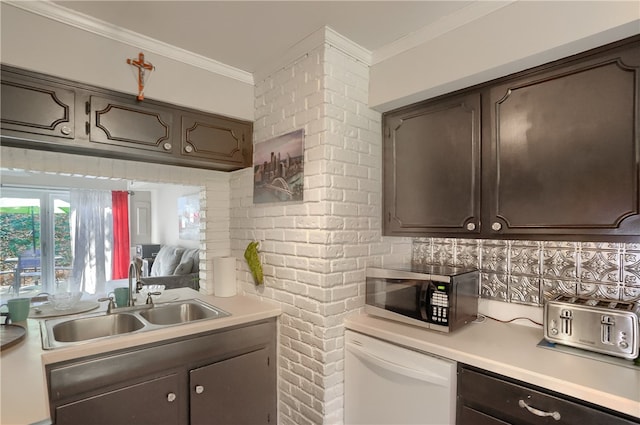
142, 67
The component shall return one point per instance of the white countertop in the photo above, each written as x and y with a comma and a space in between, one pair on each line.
23, 397
510, 350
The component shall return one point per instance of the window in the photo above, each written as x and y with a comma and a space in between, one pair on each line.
35, 243
61, 240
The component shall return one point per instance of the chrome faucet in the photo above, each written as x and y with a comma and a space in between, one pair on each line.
133, 273
134, 282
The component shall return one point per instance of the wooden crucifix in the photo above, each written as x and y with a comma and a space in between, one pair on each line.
142, 67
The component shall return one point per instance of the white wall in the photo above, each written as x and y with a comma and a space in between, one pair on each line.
34, 42
166, 206
517, 37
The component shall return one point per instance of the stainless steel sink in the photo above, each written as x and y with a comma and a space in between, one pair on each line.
96, 327
81, 329
183, 312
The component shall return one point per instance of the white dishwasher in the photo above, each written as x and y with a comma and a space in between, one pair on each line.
389, 384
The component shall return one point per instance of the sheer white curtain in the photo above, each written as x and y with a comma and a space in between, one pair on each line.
92, 238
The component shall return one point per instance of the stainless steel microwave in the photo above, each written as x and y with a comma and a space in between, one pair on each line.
435, 297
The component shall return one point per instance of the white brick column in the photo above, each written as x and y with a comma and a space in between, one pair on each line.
315, 253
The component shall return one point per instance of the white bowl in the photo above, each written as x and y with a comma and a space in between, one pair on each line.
64, 300
152, 288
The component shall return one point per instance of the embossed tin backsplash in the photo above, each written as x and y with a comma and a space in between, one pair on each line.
527, 272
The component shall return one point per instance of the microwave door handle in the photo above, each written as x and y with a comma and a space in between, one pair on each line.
420, 375
424, 301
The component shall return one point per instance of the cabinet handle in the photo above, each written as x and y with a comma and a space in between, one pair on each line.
537, 412
471, 227
188, 149
171, 397
496, 226
65, 130
167, 146
199, 389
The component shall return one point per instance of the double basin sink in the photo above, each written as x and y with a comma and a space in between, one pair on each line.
79, 329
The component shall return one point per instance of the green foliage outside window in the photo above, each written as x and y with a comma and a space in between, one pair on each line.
20, 232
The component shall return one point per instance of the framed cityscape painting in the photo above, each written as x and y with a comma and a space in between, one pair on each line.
278, 169
189, 217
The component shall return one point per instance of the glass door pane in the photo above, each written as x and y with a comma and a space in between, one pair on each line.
20, 245
63, 255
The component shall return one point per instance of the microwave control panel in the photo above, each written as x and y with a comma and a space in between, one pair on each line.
439, 304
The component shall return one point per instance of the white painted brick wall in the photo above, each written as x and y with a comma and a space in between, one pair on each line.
315, 253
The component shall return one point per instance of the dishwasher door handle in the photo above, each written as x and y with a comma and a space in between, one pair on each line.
399, 369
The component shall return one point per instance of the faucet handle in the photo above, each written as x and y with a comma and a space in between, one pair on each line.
149, 299
111, 305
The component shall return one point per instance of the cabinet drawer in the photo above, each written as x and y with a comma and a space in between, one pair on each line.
469, 416
507, 401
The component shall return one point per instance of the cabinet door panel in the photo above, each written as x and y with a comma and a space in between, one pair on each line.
144, 403
37, 108
132, 125
207, 137
432, 168
565, 148
239, 390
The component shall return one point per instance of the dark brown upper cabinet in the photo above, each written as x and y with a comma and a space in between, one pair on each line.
49, 113
129, 123
551, 153
212, 138
564, 149
33, 108
432, 167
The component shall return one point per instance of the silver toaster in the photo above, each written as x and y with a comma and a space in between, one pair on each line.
604, 326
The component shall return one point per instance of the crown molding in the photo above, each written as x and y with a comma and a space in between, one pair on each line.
347, 46
90, 24
321, 37
467, 14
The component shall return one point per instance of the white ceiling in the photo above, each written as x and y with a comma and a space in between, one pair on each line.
246, 34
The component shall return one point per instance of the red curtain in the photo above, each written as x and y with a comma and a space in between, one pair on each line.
121, 256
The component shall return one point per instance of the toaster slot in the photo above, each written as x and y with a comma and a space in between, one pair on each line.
566, 317
606, 328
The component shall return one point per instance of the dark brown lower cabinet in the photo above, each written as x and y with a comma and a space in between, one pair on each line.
486, 398
221, 377
467, 415
230, 392
137, 403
